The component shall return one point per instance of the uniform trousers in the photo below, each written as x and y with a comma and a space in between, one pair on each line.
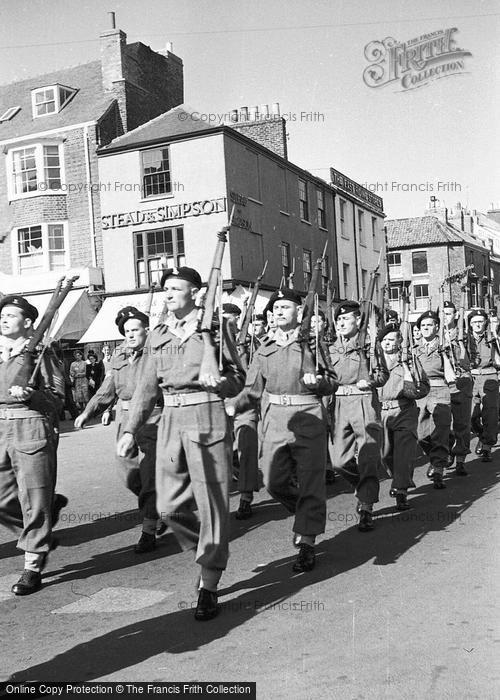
27, 479
357, 429
247, 446
485, 408
193, 467
461, 403
434, 422
294, 443
399, 447
138, 473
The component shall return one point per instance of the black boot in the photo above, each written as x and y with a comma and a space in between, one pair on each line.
244, 510
306, 558
30, 582
147, 543
460, 469
437, 479
207, 607
366, 523
402, 502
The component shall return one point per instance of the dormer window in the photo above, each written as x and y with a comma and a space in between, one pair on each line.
50, 99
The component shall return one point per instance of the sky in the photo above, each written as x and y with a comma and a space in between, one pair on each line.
438, 139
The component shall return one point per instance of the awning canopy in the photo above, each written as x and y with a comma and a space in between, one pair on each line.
103, 327
74, 315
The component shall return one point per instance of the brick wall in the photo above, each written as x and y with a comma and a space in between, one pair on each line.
270, 133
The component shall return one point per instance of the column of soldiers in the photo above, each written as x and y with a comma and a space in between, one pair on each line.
290, 404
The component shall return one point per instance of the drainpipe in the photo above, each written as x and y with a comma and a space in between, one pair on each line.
336, 248
355, 249
86, 148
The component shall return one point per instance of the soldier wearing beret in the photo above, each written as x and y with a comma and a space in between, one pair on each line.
357, 417
485, 362
119, 384
400, 414
283, 371
461, 393
434, 419
27, 442
193, 456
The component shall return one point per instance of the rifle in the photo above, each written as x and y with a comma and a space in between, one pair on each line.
209, 363
330, 294
407, 348
445, 347
291, 275
27, 367
461, 329
242, 335
309, 308
366, 306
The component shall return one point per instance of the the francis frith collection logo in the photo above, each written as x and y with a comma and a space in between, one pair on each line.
416, 62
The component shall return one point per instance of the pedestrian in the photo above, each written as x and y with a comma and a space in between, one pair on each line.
434, 420
28, 502
119, 384
357, 416
193, 456
79, 382
294, 424
461, 393
94, 372
400, 414
485, 362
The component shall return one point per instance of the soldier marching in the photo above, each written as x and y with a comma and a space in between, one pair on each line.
289, 391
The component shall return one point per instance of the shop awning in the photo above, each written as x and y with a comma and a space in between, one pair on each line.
74, 316
103, 327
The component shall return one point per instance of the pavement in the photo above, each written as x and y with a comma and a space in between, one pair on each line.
408, 610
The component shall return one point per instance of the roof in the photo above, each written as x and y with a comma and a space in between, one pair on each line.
178, 121
89, 103
424, 231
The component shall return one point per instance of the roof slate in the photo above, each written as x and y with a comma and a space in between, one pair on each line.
89, 103
425, 230
175, 122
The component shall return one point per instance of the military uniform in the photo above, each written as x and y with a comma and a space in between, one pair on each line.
28, 442
120, 382
434, 420
399, 422
461, 402
357, 419
193, 457
293, 428
485, 393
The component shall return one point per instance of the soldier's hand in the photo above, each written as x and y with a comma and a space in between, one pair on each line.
106, 418
311, 379
81, 420
363, 384
125, 445
20, 393
211, 383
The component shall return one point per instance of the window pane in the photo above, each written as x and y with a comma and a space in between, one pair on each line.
51, 167
156, 172
419, 262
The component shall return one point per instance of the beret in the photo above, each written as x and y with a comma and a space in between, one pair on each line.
347, 307
427, 314
449, 305
188, 274
285, 295
259, 317
389, 328
126, 314
14, 300
231, 309
391, 314
477, 312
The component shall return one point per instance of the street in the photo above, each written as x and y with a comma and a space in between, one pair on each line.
408, 610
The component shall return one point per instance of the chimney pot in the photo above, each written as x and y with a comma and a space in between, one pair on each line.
170, 46
253, 111
112, 18
244, 114
276, 108
234, 115
264, 111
